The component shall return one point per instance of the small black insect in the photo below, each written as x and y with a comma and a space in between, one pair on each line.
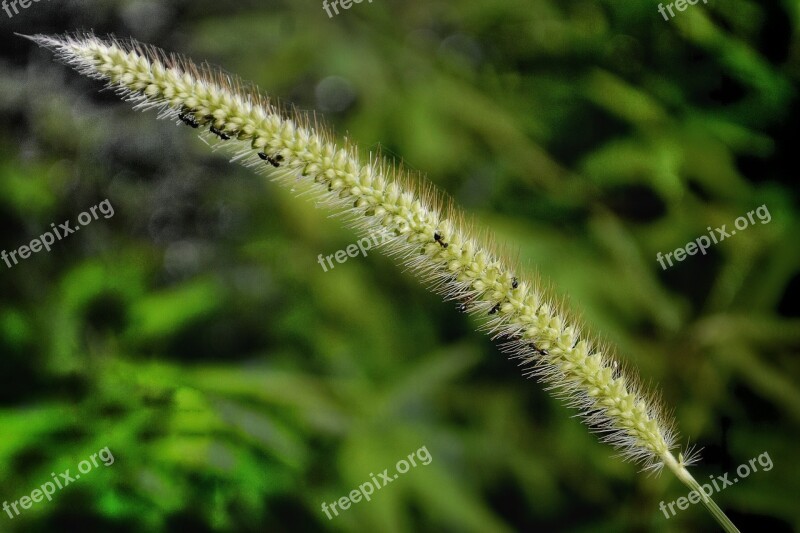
514, 283
465, 305
188, 118
219, 133
438, 238
511, 337
537, 351
495, 309
274, 161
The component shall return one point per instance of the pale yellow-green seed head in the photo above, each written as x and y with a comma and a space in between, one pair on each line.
429, 235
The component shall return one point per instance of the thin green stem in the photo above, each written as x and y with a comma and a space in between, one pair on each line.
687, 479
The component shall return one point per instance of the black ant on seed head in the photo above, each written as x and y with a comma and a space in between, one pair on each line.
438, 238
274, 161
514, 283
464, 306
537, 351
495, 309
221, 134
188, 118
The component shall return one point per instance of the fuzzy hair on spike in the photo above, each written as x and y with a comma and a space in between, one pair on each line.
429, 236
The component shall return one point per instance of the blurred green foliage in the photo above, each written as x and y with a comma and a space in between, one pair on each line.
239, 386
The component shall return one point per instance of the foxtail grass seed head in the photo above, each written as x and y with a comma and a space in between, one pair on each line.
429, 235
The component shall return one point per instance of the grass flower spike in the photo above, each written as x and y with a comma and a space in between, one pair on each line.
429, 236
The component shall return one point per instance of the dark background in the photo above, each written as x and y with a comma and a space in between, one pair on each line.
239, 386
